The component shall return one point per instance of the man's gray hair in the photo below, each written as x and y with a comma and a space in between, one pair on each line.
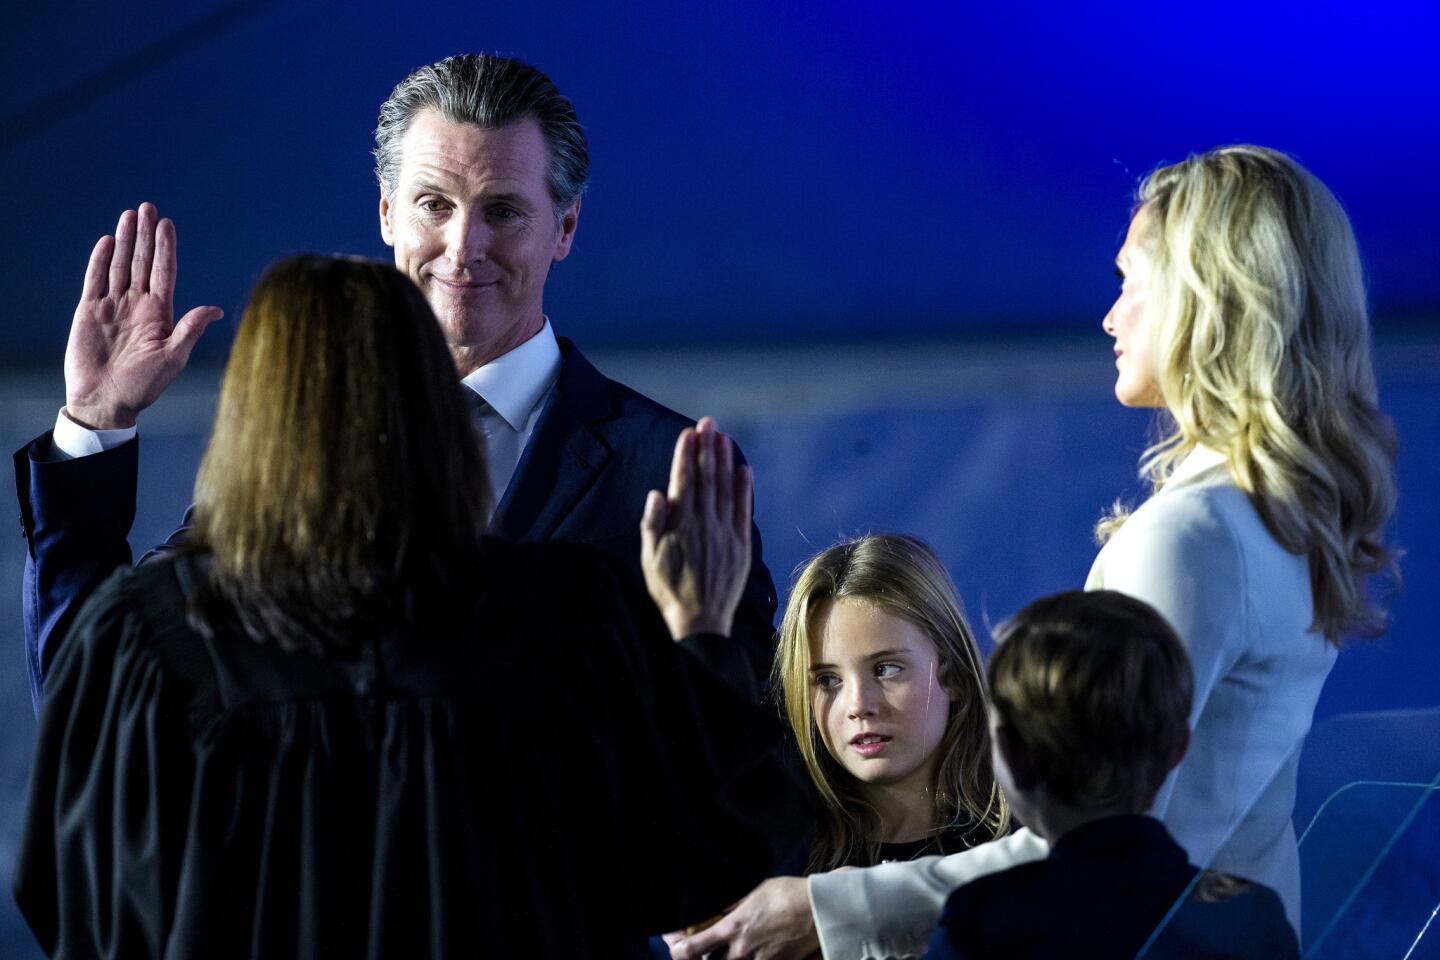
488, 91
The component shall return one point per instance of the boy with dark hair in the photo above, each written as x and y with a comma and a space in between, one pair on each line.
1091, 696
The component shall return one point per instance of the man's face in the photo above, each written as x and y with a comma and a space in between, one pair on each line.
472, 223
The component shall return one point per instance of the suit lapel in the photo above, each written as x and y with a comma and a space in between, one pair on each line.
565, 455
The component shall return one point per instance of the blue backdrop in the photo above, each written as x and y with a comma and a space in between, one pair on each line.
761, 169
820, 178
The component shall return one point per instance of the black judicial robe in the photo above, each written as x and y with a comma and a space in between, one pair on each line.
540, 780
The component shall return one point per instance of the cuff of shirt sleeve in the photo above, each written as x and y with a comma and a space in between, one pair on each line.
844, 920
890, 910
70, 441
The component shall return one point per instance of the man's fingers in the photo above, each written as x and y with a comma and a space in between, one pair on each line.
652, 522
124, 247
144, 254
724, 478
95, 272
677, 462
187, 332
705, 457
682, 473
162, 270
744, 502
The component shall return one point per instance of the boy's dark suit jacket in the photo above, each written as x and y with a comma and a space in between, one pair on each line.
597, 449
1101, 893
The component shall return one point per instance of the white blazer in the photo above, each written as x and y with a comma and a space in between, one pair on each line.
1199, 553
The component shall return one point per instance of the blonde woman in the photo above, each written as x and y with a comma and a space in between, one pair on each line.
1242, 318
882, 685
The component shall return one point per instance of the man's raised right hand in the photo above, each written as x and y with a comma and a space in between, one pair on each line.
125, 347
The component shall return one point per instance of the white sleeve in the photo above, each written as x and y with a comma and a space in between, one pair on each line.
890, 910
71, 441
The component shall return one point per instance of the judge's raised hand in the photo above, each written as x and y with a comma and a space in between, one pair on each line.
695, 539
125, 347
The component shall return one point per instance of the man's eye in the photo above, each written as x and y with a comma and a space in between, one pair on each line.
505, 214
886, 670
432, 205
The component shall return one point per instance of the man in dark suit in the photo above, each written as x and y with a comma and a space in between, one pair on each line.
481, 164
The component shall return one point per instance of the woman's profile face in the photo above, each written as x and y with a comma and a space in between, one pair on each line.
876, 694
1128, 320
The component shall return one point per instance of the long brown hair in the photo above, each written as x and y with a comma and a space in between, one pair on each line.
902, 576
343, 475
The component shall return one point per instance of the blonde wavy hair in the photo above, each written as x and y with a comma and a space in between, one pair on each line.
1262, 344
903, 577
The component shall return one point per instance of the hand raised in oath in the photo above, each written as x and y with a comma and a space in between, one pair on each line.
695, 540
125, 347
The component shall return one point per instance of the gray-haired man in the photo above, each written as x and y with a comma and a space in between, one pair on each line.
482, 164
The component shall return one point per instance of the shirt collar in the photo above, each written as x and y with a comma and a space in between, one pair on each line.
513, 383
1196, 462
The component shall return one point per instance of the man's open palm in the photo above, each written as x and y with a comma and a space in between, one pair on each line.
125, 347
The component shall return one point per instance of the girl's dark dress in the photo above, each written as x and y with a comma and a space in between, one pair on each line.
524, 774
953, 839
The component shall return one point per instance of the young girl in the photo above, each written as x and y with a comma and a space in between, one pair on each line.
882, 684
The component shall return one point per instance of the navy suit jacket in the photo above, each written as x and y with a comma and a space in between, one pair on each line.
598, 447
1104, 889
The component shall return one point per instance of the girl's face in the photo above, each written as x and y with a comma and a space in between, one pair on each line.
1129, 321
876, 694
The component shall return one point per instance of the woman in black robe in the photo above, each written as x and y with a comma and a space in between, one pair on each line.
344, 723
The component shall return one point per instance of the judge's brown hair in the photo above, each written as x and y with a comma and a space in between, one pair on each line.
343, 476
1096, 689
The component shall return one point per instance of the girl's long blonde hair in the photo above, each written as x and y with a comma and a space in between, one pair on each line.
1262, 346
903, 577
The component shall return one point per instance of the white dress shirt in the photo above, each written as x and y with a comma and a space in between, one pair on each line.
513, 386
70, 441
